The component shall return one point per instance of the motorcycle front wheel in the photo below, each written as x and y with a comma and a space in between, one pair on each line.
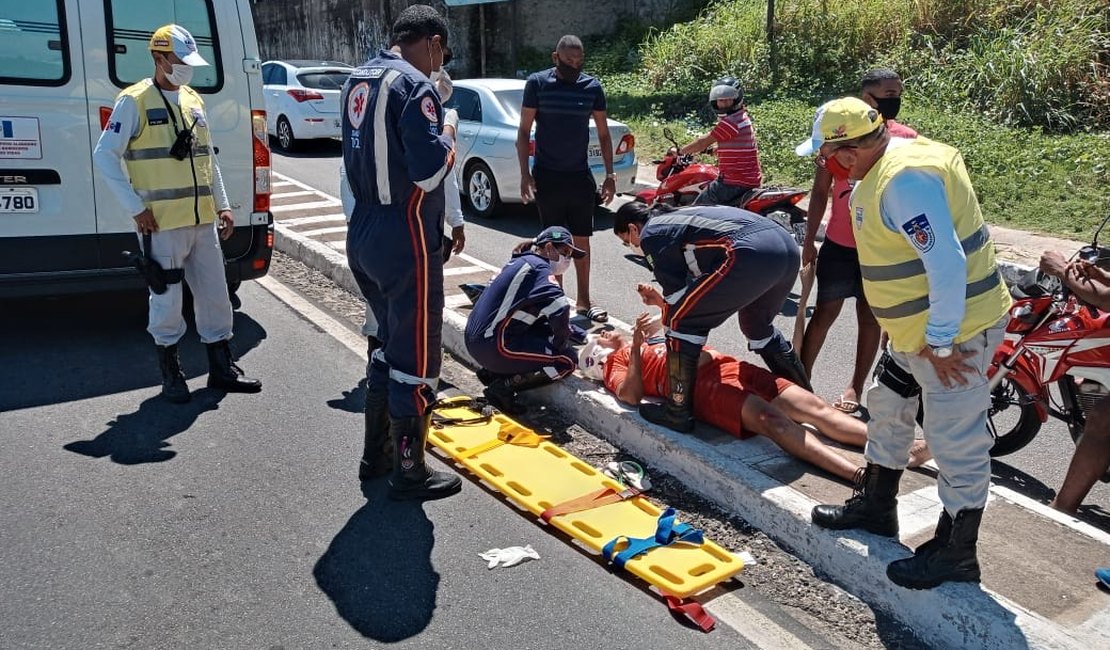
1012, 418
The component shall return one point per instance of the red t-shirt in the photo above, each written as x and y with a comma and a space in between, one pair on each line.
721, 388
839, 228
737, 155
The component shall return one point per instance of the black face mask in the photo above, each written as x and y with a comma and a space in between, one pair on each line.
888, 106
567, 71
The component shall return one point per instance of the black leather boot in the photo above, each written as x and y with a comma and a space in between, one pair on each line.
786, 365
678, 413
411, 477
377, 447
873, 507
502, 391
949, 557
174, 388
224, 375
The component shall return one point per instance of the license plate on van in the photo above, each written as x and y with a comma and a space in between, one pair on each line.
19, 199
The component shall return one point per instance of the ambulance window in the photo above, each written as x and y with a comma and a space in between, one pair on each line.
131, 24
34, 45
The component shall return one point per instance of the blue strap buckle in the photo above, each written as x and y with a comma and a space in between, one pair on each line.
666, 534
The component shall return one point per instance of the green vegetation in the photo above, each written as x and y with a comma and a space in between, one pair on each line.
1022, 87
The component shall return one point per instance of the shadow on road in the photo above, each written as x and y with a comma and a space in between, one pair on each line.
321, 148
378, 570
1019, 481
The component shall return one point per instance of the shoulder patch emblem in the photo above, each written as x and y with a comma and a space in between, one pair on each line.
428, 108
859, 218
357, 102
921, 232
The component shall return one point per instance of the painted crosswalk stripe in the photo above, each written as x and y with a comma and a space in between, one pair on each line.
454, 301
289, 195
282, 184
323, 231
304, 206
319, 218
340, 245
461, 270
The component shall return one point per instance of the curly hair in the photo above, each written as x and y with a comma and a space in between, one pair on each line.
418, 22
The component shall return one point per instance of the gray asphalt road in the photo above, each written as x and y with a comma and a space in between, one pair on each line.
1037, 471
236, 521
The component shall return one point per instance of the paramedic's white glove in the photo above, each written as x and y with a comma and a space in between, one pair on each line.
451, 119
507, 557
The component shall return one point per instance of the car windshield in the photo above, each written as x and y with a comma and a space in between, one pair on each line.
510, 100
324, 79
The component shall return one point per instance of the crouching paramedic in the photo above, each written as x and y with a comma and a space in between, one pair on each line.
397, 149
713, 262
173, 187
519, 329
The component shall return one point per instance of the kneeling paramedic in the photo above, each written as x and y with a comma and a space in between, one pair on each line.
158, 129
713, 262
397, 149
929, 274
519, 329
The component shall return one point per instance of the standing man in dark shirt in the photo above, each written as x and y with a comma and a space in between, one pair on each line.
560, 101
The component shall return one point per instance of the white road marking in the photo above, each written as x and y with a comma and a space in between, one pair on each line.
340, 245
1043, 510
292, 181
461, 270
280, 183
731, 610
289, 195
456, 300
315, 315
320, 218
312, 205
323, 231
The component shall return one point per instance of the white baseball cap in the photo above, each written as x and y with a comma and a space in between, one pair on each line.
177, 39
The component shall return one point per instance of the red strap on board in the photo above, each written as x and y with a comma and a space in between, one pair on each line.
692, 610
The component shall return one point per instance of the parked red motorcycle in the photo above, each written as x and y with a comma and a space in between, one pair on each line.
681, 178
1052, 338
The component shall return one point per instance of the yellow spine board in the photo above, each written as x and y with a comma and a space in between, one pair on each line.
537, 475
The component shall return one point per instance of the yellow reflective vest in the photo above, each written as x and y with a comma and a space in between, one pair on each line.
178, 192
894, 279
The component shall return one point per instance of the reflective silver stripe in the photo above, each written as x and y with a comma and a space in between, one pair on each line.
412, 380
973, 243
918, 305
562, 302
672, 299
692, 261
686, 219
689, 338
510, 294
174, 193
157, 153
524, 317
381, 140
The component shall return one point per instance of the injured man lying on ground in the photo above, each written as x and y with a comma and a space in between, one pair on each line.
732, 395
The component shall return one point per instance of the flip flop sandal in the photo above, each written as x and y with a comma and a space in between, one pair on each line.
596, 314
846, 405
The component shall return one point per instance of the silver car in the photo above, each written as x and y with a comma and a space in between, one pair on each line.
486, 163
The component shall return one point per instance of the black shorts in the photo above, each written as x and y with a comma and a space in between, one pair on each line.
566, 199
838, 274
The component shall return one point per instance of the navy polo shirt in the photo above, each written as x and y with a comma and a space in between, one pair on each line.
563, 111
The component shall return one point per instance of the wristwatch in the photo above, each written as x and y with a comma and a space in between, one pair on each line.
612, 175
942, 352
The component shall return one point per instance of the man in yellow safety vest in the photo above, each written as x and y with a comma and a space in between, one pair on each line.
929, 274
158, 132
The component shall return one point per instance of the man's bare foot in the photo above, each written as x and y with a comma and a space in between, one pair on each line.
919, 453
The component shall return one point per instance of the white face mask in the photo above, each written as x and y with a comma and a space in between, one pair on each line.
560, 266
180, 74
443, 84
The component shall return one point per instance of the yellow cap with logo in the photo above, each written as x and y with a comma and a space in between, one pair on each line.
176, 39
841, 119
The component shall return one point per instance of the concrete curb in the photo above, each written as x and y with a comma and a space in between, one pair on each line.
952, 616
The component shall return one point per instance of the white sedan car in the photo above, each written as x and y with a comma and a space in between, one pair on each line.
485, 160
302, 99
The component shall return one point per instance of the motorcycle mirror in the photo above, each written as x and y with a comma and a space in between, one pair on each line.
669, 134
1094, 242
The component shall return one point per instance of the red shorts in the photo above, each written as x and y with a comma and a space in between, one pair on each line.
723, 387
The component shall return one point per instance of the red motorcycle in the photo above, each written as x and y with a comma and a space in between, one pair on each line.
1052, 338
681, 179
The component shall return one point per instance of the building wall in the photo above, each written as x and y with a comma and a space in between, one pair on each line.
348, 30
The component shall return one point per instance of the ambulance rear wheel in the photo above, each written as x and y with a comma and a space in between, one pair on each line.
481, 190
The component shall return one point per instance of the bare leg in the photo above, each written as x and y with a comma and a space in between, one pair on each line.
582, 273
762, 418
803, 406
824, 315
867, 346
1091, 460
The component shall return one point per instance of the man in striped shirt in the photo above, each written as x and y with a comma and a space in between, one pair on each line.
737, 153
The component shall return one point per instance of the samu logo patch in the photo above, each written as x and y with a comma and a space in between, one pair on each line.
859, 218
921, 233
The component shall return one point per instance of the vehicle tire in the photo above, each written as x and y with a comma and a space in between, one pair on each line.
1009, 397
481, 190
286, 140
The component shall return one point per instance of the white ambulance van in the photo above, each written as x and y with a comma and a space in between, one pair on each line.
62, 63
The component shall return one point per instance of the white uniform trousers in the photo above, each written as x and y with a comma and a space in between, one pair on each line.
197, 250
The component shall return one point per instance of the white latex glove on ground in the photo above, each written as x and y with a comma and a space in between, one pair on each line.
507, 557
